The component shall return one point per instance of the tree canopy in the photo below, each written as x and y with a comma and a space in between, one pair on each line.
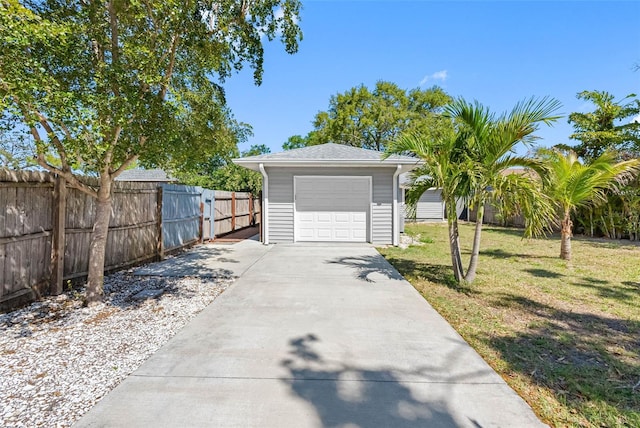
612, 126
222, 174
99, 85
372, 118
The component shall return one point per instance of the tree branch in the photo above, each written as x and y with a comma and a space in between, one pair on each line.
55, 140
67, 175
152, 19
130, 160
115, 54
172, 61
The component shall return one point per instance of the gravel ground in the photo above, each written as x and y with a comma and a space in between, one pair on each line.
57, 358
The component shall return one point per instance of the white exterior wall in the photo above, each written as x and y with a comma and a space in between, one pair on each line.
280, 208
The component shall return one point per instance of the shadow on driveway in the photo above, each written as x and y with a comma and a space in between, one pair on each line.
204, 261
367, 267
350, 396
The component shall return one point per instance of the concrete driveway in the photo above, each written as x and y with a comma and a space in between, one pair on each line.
315, 336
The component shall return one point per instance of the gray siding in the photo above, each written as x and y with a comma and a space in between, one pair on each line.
281, 200
430, 206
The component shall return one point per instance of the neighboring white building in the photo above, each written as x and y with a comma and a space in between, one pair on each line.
430, 207
331, 192
145, 175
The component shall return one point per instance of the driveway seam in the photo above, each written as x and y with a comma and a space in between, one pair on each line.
256, 261
318, 379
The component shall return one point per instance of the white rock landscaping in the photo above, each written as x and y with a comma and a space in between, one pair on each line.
58, 358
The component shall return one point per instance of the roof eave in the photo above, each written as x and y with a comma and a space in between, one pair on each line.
387, 163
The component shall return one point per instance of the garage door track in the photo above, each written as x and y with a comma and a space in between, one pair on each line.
315, 336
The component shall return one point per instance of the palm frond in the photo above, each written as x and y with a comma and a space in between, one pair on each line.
516, 194
572, 184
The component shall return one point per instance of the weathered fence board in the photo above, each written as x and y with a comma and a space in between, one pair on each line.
235, 210
180, 215
37, 210
492, 216
25, 232
132, 228
208, 214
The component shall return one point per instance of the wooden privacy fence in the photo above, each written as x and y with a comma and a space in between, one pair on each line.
235, 210
26, 229
180, 221
491, 216
46, 227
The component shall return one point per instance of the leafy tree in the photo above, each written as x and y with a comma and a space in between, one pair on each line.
610, 127
16, 152
228, 176
99, 85
489, 143
571, 184
298, 141
370, 119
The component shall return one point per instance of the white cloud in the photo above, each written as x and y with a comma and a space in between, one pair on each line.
636, 119
438, 75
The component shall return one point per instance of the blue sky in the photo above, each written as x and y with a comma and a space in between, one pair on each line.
495, 52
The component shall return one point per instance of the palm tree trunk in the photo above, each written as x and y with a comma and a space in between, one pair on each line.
454, 242
565, 240
97, 248
475, 252
605, 229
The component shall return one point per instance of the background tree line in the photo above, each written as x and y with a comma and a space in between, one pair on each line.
467, 151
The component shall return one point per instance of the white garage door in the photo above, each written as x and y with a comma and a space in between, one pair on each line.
332, 208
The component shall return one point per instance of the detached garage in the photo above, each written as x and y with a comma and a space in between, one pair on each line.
330, 193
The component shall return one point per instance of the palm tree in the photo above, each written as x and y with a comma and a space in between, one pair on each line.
468, 163
444, 167
571, 184
490, 143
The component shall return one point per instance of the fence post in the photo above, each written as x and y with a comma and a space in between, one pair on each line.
201, 220
251, 219
58, 239
233, 211
160, 247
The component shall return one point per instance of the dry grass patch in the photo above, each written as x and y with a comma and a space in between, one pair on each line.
566, 337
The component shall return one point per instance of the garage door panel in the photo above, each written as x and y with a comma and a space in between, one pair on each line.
323, 233
304, 234
342, 217
306, 216
332, 208
360, 234
343, 234
323, 217
359, 217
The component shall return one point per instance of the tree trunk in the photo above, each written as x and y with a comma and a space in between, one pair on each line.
475, 252
97, 248
565, 240
454, 243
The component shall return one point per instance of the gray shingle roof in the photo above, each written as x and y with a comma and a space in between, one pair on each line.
139, 174
327, 152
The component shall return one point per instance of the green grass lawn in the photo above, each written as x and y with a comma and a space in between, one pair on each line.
565, 337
